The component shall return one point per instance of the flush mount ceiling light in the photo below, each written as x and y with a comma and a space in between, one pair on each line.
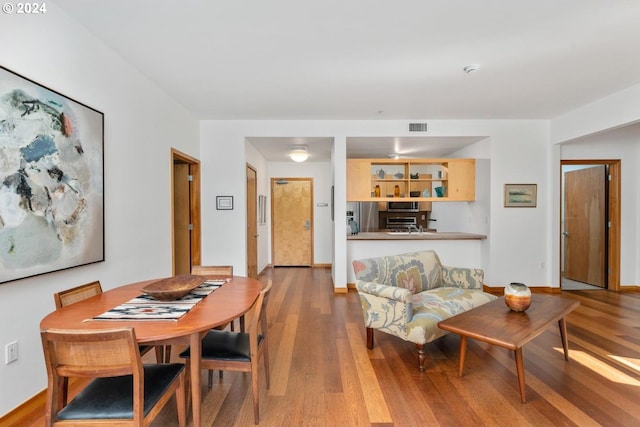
470, 68
393, 156
298, 153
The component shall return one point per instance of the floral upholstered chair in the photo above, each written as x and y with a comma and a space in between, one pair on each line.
406, 295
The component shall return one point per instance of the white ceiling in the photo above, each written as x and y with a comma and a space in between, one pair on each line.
374, 59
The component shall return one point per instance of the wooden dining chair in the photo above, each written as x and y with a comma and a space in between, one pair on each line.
80, 293
239, 351
213, 272
122, 391
210, 272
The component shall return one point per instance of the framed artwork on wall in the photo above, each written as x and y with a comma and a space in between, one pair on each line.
520, 195
224, 203
262, 209
51, 180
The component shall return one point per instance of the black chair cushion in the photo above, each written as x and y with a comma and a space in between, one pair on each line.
111, 398
224, 345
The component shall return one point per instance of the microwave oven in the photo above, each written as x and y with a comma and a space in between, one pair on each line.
402, 207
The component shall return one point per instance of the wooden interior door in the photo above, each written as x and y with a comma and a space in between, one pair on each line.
181, 220
252, 224
585, 238
185, 212
292, 222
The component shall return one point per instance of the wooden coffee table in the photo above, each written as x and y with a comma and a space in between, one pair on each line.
495, 324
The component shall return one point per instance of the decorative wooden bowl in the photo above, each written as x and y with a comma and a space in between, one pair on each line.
173, 288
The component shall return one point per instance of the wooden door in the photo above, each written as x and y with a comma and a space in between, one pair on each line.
185, 212
585, 219
292, 221
181, 220
252, 224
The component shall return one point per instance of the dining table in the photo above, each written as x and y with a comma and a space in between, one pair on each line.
230, 301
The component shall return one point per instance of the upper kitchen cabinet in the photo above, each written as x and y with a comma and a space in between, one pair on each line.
385, 180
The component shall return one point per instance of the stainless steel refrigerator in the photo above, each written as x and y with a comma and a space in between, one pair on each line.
367, 216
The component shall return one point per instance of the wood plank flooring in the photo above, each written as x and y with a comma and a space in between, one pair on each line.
323, 375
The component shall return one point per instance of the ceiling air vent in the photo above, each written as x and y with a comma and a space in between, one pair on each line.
417, 127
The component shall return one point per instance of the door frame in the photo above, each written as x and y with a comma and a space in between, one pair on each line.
613, 214
194, 206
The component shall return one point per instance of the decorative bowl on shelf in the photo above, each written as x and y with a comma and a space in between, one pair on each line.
517, 296
398, 175
414, 175
173, 288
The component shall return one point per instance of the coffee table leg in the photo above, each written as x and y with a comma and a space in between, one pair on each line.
563, 335
463, 352
520, 370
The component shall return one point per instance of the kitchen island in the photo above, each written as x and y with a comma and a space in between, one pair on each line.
453, 248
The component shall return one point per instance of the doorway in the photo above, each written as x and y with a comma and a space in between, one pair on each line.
292, 222
185, 213
590, 224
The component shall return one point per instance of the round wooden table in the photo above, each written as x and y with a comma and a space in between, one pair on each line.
230, 301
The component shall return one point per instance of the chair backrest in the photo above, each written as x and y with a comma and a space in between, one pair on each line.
92, 354
212, 270
257, 314
416, 271
79, 293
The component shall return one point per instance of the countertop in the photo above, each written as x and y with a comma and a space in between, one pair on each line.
430, 235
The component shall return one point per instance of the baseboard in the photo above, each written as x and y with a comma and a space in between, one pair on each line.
321, 265
499, 290
26, 413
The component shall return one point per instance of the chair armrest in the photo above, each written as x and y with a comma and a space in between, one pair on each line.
387, 308
459, 277
384, 291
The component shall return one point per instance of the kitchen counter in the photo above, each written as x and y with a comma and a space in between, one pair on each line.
453, 248
426, 235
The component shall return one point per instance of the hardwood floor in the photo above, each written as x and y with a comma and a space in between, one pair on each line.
323, 375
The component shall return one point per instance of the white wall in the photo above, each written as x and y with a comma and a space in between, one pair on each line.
604, 129
519, 151
624, 144
141, 124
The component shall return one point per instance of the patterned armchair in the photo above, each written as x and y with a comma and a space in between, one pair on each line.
407, 295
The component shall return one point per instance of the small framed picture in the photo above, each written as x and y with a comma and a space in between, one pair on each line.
224, 203
520, 195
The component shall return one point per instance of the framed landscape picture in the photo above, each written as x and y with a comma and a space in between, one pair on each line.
520, 195
51, 180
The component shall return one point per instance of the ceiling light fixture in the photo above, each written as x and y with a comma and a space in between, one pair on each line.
393, 156
298, 153
471, 67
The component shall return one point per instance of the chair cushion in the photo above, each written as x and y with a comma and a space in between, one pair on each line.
224, 345
112, 398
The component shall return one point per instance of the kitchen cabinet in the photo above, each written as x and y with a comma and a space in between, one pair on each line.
407, 179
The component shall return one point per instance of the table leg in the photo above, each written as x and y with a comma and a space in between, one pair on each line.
463, 352
196, 398
563, 335
520, 370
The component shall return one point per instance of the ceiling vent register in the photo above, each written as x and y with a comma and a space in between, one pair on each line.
417, 127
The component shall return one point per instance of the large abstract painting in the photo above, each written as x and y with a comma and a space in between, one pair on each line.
51, 180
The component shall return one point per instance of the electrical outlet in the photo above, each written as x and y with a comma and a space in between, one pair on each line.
11, 352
